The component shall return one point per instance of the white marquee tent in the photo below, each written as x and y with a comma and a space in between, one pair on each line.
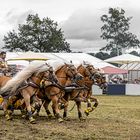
124, 59
128, 62
76, 58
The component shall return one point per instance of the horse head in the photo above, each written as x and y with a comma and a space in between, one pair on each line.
68, 72
100, 80
72, 72
87, 70
92, 75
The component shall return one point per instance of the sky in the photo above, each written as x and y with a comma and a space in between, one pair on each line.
79, 19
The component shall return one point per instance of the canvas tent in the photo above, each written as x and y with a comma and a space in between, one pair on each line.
124, 59
112, 70
29, 56
76, 58
128, 62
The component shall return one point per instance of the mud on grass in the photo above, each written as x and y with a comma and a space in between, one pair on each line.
116, 118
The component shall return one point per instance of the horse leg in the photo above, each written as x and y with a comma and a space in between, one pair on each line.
46, 104
78, 103
36, 105
90, 108
65, 104
56, 108
28, 106
5, 109
93, 99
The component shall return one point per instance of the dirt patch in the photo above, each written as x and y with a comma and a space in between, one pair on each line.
116, 118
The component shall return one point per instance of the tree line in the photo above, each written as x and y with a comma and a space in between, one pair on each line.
44, 35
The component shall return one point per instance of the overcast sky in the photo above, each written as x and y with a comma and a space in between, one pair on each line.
79, 19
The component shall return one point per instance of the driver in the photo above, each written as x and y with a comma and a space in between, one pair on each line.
3, 64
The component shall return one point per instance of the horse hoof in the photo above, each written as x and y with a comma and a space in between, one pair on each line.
60, 120
8, 117
23, 116
67, 119
32, 120
36, 114
86, 112
10, 112
82, 119
50, 116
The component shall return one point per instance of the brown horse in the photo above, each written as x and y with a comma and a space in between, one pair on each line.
83, 91
25, 83
54, 89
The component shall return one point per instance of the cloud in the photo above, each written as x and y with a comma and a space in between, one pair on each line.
15, 17
10, 22
83, 28
82, 24
135, 21
79, 45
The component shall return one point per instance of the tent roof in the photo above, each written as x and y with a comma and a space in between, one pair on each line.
112, 70
76, 58
29, 56
124, 59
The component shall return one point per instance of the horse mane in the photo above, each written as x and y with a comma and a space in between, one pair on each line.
23, 75
79, 66
57, 64
59, 68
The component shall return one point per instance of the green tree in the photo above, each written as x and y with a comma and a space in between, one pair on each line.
135, 53
116, 31
102, 55
37, 35
114, 52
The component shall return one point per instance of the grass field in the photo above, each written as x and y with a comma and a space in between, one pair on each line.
116, 118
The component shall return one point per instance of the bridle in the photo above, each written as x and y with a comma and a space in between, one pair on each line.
94, 75
45, 76
90, 72
71, 72
100, 80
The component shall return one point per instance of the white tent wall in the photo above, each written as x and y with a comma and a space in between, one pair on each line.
132, 89
76, 58
10, 55
96, 90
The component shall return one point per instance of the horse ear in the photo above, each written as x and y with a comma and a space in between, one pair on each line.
84, 62
65, 63
71, 61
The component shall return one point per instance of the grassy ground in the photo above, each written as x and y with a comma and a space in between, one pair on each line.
116, 118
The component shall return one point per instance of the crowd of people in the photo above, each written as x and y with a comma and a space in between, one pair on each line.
119, 80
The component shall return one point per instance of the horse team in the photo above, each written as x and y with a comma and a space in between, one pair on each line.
40, 84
